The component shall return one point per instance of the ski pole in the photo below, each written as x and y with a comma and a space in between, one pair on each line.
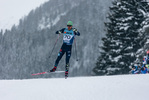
75, 49
54, 46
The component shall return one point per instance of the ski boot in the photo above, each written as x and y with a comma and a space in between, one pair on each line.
54, 69
66, 71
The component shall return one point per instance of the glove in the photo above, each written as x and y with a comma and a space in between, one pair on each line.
58, 32
75, 29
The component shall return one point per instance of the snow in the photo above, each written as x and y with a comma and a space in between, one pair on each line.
129, 47
13, 10
121, 87
139, 50
58, 18
117, 58
118, 3
125, 28
113, 69
146, 28
143, 12
43, 21
147, 42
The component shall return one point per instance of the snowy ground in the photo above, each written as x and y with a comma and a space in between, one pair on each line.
123, 87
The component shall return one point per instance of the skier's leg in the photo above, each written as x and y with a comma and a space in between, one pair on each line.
68, 55
60, 55
66, 70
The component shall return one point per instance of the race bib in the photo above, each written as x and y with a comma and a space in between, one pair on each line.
67, 38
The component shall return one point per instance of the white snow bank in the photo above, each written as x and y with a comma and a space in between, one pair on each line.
126, 87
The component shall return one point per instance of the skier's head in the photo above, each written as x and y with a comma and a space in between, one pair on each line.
69, 25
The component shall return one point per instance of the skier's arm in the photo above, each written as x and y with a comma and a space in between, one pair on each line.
76, 32
60, 31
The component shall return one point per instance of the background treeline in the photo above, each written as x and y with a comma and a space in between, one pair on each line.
25, 48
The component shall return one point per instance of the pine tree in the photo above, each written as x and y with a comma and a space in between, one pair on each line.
121, 41
144, 37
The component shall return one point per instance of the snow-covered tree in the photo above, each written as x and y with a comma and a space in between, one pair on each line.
144, 36
121, 41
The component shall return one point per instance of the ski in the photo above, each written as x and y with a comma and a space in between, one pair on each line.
40, 73
48, 72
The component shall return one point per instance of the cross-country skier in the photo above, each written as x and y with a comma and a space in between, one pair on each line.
68, 37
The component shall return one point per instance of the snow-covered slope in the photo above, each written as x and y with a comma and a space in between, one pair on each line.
126, 87
13, 10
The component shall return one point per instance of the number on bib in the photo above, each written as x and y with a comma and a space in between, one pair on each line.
67, 37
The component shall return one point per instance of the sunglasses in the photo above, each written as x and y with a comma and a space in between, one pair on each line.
68, 25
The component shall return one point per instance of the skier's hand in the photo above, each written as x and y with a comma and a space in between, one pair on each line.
58, 32
75, 30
